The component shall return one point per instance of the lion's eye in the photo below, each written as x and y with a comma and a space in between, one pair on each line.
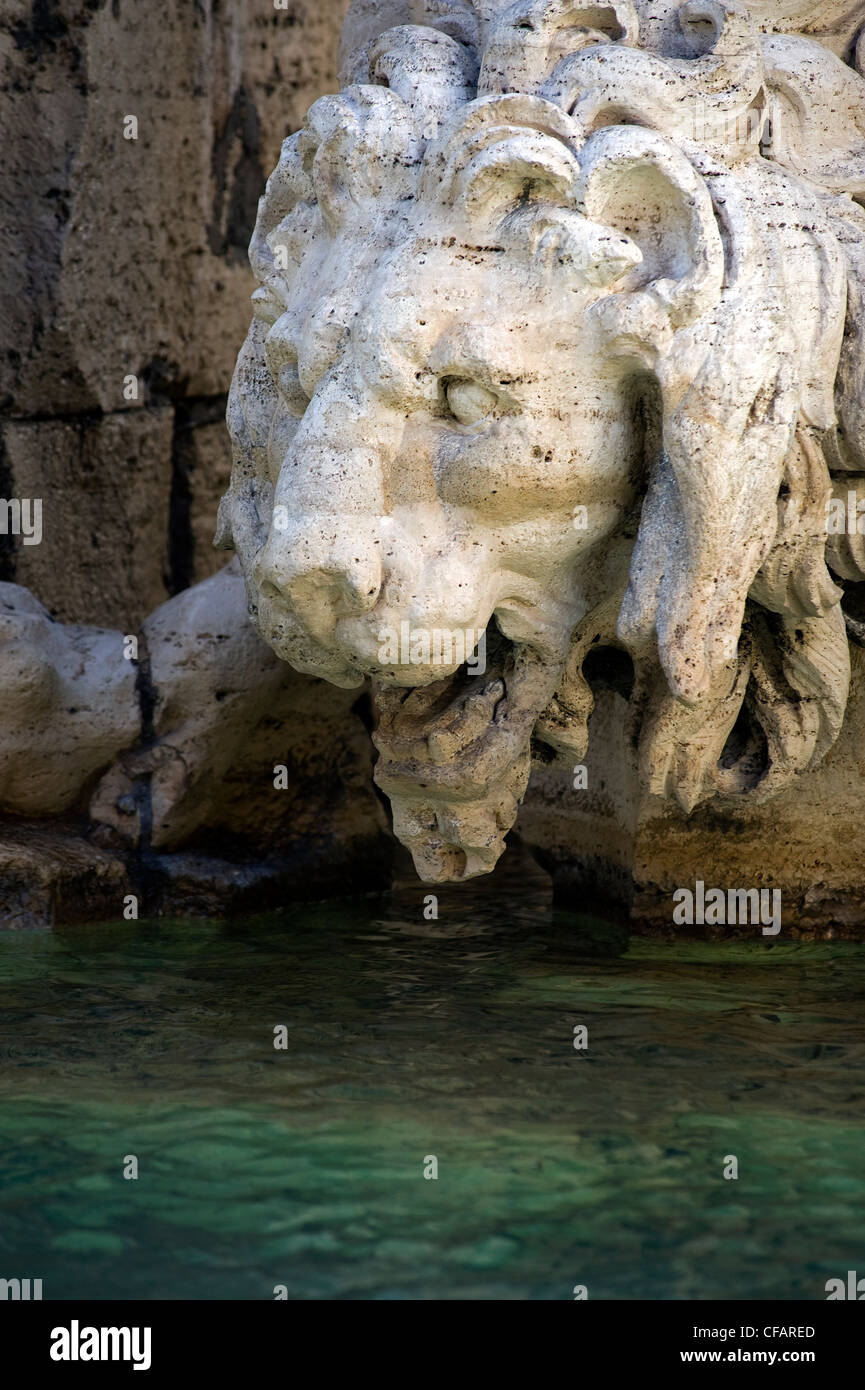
467, 401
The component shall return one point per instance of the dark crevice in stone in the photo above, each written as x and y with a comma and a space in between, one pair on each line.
147, 694
204, 410
746, 749
43, 34
181, 542
542, 754
363, 709
189, 415
163, 383
144, 868
81, 418
853, 608
7, 542
609, 668
236, 190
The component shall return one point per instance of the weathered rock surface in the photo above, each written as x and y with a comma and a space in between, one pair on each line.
53, 876
223, 715
68, 705
104, 482
125, 292
205, 741
128, 255
605, 841
126, 283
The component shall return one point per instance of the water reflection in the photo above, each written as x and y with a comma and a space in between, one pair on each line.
408, 1038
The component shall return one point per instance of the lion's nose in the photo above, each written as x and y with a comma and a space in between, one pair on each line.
322, 575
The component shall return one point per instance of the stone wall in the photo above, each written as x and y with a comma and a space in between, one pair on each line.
124, 300
125, 292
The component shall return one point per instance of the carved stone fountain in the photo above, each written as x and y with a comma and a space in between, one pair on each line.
558, 339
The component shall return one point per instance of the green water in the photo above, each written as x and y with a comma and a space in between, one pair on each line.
304, 1167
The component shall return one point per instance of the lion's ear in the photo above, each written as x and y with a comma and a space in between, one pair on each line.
638, 183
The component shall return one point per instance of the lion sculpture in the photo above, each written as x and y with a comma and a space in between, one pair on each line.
558, 340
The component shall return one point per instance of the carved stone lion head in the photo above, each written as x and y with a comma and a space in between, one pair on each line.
558, 342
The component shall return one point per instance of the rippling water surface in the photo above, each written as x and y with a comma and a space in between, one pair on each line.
406, 1039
